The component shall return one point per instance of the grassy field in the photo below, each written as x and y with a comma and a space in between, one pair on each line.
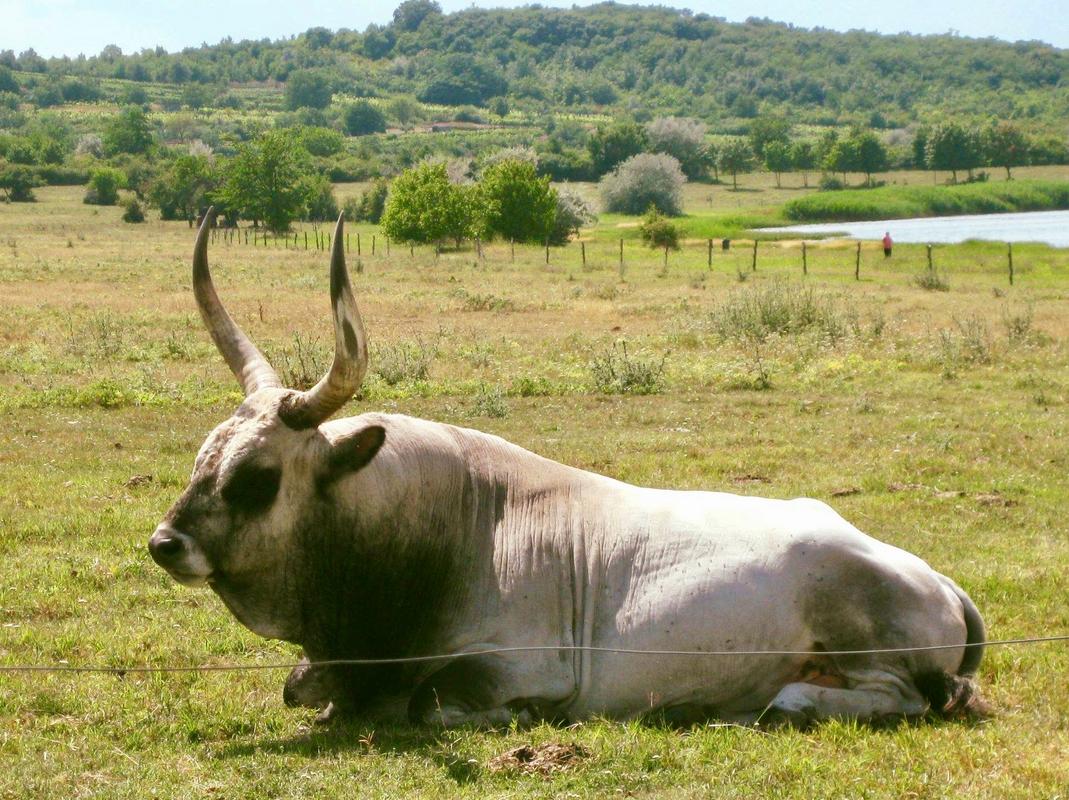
934, 420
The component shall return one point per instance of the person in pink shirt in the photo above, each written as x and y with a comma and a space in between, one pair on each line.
887, 244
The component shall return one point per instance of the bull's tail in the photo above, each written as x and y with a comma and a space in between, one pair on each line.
957, 696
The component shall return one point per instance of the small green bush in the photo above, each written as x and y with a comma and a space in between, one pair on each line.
104, 185
132, 210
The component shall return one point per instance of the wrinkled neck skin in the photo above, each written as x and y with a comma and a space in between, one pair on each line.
381, 561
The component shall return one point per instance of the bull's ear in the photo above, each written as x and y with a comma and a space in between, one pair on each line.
352, 452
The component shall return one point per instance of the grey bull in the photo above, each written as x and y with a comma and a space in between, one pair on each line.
384, 536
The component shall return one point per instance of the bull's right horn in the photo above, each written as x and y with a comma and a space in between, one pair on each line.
245, 361
334, 389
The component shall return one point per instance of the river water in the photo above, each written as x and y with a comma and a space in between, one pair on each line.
1048, 227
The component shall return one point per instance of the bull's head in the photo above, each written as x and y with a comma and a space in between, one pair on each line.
260, 474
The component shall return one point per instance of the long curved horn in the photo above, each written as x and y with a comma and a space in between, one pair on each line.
334, 389
245, 361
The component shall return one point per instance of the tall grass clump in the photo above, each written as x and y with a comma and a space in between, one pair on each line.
616, 371
780, 309
898, 202
404, 361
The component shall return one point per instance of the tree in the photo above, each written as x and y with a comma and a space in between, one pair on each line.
515, 203
181, 191
778, 159
642, 181
128, 132
103, 188
612, 144
767, 129
7, 81
308, 88
735, 156
264, 180
362, 118
871, 153
803, 159
403, 110
320, 205
1005, 145
410, 14
195, 95
952, 147
424, 206
18, 183
370, 205
458, 79
842, 157
919, 148
684, 139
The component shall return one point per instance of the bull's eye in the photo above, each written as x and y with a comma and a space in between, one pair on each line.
252, 488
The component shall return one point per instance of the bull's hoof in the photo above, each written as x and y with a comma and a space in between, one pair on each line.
309, 687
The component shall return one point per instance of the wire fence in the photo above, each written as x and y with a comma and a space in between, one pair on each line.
367, 662
739, 257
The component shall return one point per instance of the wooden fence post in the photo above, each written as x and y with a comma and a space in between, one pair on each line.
666, 258
547, 251
857, 263
710, 255
930, 266
372, 244
358, 243
621, 258
1009, 256
754, 265
805, 265
582, 249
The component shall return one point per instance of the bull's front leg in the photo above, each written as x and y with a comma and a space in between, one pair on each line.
311, 686
485, 691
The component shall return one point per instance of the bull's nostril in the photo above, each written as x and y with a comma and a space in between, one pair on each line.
165, 546
168, 547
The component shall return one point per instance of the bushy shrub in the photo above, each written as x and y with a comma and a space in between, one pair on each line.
322, 141
18, 182
573, 212
658, 232
90, 144
104, 185
644, 180
362, 118
132, 210
684, 139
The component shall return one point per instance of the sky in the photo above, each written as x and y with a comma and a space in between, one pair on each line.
70, 27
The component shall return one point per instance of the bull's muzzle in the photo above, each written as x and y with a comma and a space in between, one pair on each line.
180, 555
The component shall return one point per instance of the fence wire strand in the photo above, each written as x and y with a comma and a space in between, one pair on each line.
367, 662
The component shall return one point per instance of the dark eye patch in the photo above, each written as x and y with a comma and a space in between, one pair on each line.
252, 488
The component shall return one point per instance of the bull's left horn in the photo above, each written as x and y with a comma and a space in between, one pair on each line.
245, 361
308, 409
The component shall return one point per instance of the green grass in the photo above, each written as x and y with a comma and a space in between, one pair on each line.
946, 411
898, 202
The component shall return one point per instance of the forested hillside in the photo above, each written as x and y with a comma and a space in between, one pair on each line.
653, 60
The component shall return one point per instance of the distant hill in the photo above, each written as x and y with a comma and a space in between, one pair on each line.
618, 58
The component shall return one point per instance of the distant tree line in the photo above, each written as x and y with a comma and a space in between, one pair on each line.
603, 56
